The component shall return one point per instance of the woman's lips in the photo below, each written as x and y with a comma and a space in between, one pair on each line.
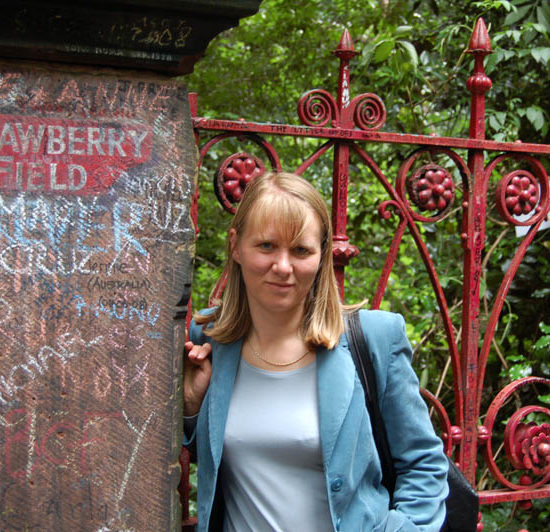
280, 285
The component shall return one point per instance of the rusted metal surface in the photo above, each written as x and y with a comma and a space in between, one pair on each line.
426, 193
96, 243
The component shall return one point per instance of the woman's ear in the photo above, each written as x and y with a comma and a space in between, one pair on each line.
233, 244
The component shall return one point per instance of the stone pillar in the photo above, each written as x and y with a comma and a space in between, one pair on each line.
97, 175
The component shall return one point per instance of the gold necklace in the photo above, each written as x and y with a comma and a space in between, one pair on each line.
280, 364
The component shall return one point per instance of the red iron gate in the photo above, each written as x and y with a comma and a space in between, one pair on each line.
426, 194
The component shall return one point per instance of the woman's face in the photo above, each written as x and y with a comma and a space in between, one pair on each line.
278, 273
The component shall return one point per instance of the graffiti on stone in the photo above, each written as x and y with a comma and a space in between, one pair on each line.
96, 242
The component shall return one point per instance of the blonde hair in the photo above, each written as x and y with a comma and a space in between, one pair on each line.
285, 199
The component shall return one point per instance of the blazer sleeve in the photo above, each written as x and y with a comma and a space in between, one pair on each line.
421, 466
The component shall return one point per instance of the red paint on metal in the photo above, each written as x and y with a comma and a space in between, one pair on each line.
208, 124
188, 523
528, 444
234, 175
496, 496
480, 38
451, 435
474, 227
513, 436
393, 251
66, 156
400, 195
479, 526
431, 188
343, 250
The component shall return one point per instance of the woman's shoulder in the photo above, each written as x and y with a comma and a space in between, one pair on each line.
375, 318
385, 331
196, 330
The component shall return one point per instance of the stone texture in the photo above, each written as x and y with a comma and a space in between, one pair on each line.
96, 246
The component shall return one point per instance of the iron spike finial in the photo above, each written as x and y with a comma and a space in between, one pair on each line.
346, 42
480, 41
345, 46
479, 83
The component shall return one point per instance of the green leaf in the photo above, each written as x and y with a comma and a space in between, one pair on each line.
519, 371
367, 54
515, 35
493, 4
505, 4
539, 27
497, 120
542, 343
517, 15
383, 50
529, 34
402, 30
542, 18
545, 15
541, 54
541, 292
544, 398
535, 115
544, 328
410, 51
515, 358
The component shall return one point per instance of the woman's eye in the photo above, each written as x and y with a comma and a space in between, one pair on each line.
300, 250
266, 246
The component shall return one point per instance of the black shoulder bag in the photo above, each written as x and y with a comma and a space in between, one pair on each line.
462, 503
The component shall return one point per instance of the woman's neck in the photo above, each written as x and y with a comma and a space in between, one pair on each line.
276, 342
268, 326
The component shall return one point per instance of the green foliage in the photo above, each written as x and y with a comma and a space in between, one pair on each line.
511, 517
193, 491
523, 38
413, 54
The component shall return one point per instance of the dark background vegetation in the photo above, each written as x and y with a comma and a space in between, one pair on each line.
412, 54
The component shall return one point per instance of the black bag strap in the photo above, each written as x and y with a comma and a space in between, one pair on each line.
365, 369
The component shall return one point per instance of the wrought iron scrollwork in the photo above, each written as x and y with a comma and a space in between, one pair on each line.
450, 434
316, 108
237, 170
369, 111
233, 176
319, 108
430, 188
517, 193
522, 195
526, 442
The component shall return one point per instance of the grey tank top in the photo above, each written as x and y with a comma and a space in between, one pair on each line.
272, 468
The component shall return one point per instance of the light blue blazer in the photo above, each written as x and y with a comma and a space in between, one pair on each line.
358, 501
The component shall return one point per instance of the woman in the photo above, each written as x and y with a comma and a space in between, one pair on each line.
272, 400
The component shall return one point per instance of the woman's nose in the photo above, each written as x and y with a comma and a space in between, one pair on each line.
282, 264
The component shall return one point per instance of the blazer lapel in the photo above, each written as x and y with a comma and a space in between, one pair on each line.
224, 369
335, 382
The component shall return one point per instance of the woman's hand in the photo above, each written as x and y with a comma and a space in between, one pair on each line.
196, 377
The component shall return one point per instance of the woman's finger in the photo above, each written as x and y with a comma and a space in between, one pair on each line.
197, 353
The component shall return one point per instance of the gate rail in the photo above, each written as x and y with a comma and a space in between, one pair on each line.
425, 194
